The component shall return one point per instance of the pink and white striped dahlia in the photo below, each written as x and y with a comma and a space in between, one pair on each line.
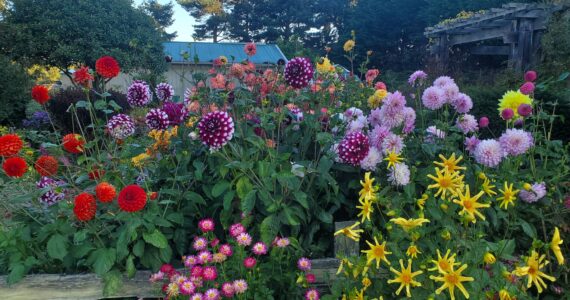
121, 126
164, 91
157, 119
298, 72
216, 129
353, 148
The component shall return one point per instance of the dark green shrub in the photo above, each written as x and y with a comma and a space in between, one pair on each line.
15, 85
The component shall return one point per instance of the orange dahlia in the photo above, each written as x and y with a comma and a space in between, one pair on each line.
10, 144
105, 192
73, 143
132, 198
107, 67
15, 166
46, 165
85, 207
40, 94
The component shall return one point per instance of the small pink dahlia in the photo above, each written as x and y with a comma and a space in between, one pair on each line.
312, 294
226, 250
304, 264
210, 273
249, 262
417, 78
205, 256
212, 294
216, 129
433, 98
489, 153
259, 248
516, 141
240, 286
298, 72
187, 288
236, 229
353, 148
244, 239
228, 289
200, 243
467, 123
206, 225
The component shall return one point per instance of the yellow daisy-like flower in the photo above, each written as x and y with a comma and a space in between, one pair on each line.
488, 187
513, 100
409, 224
358, 295
422, 201
470, 204
377, 252
365, 209
451, 280
445, 263
504, 295
446, 182
324, 66
413, 251
489, 258
138, 160
405, 278
509, 195
393, 158
366, 282
223, 59
450, 163
349, 45
555, 246
350, 232
343, 262
532, 269
368, 191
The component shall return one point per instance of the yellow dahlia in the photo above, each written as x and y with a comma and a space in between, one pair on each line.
513, 100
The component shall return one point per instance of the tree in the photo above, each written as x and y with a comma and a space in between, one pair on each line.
61, 33
212, 17
14, 92
162, 15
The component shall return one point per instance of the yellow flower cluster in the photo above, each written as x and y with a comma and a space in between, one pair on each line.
375, 100
44, 74
162, 137
324, 66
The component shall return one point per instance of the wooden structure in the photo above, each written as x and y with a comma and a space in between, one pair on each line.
518, 25
90, 286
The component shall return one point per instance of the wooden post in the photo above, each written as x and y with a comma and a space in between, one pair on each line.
343, 246
524, 44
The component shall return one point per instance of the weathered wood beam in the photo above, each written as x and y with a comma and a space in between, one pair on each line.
482, 35
491, 50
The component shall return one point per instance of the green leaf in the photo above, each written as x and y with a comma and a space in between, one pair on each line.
301, 198
228, 197
563, 76
195, 197
102, 260
138, 249
248, 202
325, 217
156, 238
528, 229
115, 106
100, 104
269, 228
130, 266
57, 247
112, 283
288, 217
17, 272
243, 187
220, 188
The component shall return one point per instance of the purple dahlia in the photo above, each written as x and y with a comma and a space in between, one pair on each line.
353, 148
139, 94
176, 112
157, 119
516, 141
216, 129
164, 91
54, 194
121, 126
298, 72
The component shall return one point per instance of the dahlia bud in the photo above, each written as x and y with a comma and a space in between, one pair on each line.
524, 110
483, 122
530, 76
507, 114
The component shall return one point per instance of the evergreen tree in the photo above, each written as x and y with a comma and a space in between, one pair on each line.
162, 15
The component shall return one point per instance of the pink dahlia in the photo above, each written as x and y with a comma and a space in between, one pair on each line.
164, 91
357, 125
197, 296
467, 123
392, 110
433, 98
205, 256
244, 239
524, 110
371, 160
353, 113
196, 271
536, 192
212, 294
228, 289
209, 273
312, 294
353, 148
507, 114
121, 126
157, 119
206, 225
240, 286
451, 91
139, 94
371, 75
250, 49
443, 81
530, 76
216, 129
282, 242
483, 122
377, 136
299, 72
190, 261
200, 243
527, 88
516, 141
304, 264
249, 262
375, 118
259, 248
187, 288
176, 112
226, 250
417, 78
393, 143
471, 143
409, 120
462, 103
489, 153
236, 229
311, 278
380, 86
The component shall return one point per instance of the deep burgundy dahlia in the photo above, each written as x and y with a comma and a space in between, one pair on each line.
121, 126
139, 94
353, 148
164, 91
299, 72
157, 119
176, 112
216, 129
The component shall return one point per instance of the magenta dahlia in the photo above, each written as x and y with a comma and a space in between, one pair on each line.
298, 72
216, 129
157, 119
121, 126
353, 148
139, 94
176, 112
164, 91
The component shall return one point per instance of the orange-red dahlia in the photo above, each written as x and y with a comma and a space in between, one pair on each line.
82, 76
105, 192
15, 166
85, 207
10, 144
132, 198
46, 165
73, 143
107, 67
40, 94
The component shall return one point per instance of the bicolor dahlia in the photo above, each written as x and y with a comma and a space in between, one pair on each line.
236, 229
259, 248
304, 264
85, 207
512, 100
187, 288
157, 119
73, 143
467, 123
46, 165
164, 91
399, 175
200, 243
299, 72
516, 141
82, 76
250, 49
240, 286
372, 159
210, 273
105, 192
212, 294
417, 78
281, 242
132, 198
188, 96
312, 294
54, 194
216, 129
433, 98
249, 262
226, 250
15, 167
353, 148
244, 239
206, 225
40, 94
121, 126
107, 67
462, 103
10, 145
176, 112
228, 289
489, 153
139, 94
534, 193
409, 120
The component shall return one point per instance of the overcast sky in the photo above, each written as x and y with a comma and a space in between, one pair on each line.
183, 22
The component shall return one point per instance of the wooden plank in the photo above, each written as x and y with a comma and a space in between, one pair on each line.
482, 35
491, 50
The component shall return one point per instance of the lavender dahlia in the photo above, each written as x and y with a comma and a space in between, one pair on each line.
216, 129
54, 194
399, 174
353, 148
298, 72
372, 159
536, 192
418, 77
516, 141
489, 153
164, 91
157, 119
121, 126
471, 143
176, 112
462, 103
433, 98
139, 94
467, 123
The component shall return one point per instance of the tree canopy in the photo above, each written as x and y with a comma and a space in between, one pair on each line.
162, 15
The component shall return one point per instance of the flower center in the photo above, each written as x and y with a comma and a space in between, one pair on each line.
445, 182
378, 251
406, 278
443, 265
468, 204
452, 279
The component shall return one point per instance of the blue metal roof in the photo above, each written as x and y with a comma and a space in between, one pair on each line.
207, 52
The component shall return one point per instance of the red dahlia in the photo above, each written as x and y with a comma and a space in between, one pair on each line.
132, 198
47, 165
15, 166
107, 67
73, 143
96, 173
40, 94
82, 76
10, 144
85, 207
105, 192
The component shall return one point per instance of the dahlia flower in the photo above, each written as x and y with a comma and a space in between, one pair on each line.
240, 286
399, 175
489, 153
393, 143
206, 225
375, 118
46, 165
121, 126
85, 207
132, 198
299, 72
176, 112
353, 113
377, 136
524, 110
250, 49
357, 125
228, 289
249, 262
259, 248
353, 148
157, 119
530, 76
139, 94
216, 129
10, 144
516, 141
409, 120
443, 81
371, 160
536, 192
471, 143
451, 91
417, 78
200, 243
483, 122
40, 94
164, 91
304, 264
244, 239
82, 76
15, 167
513, 100
433, 131
433, 98
209, 273
462, 103
226, 250
467, 123
312, 294
236, 229
107, 67
527, 88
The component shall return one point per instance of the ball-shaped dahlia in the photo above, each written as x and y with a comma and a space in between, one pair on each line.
132, 198
15, 167
10, 145
54, 194
299, 72
105, 192
353, 148
216, 129
164, 91
73, 143
107, 67
46, 165
156, 118
85, 207
489, 153
139, 94
176, 112
516, 141
121, 126
40, 94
